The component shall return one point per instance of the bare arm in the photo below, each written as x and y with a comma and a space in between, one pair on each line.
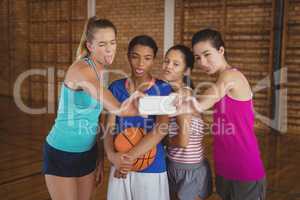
108, 139
151, 139
127, 108
183, 121
100, 146
118, 159
215, 93
182, 138
100, 159
82, 76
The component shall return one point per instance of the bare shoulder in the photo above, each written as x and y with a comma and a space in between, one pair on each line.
78, 71
79, 67
231, 76
237, 84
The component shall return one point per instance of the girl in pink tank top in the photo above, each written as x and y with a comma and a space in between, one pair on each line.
239, 169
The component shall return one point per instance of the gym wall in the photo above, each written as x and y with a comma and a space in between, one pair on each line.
45, 34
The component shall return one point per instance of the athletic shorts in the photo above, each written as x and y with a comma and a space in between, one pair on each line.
241, 190
138, 186
68, 164
188, 181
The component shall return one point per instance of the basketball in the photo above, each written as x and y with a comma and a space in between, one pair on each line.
127, 139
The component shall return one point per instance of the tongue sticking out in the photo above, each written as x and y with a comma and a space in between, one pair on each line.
108, 59
139, 71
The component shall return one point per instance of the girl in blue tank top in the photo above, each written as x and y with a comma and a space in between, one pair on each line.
70, 151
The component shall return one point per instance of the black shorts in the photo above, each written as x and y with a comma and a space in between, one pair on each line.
241, 190
68, 164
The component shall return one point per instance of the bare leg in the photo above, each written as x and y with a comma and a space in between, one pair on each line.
198, 198
61, 187
86, 185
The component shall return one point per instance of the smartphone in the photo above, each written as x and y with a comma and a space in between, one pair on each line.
157, 105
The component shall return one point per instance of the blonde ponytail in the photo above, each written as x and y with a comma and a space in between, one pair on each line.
87, 36
82, 50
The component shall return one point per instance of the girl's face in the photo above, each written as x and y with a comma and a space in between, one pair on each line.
208, 58
103, 47
141, 60
174, 66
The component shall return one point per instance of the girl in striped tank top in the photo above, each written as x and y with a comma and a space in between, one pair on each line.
188, 171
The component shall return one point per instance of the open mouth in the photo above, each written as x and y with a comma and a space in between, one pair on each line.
167, 72
139, 71
108, 59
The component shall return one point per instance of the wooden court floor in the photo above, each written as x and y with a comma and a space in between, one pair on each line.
22, 137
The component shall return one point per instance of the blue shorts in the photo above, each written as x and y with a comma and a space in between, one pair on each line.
68, 164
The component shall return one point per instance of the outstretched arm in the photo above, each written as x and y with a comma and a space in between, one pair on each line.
209, 97
215, 93
85, 78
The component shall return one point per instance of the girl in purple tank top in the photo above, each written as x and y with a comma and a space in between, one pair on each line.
239, 169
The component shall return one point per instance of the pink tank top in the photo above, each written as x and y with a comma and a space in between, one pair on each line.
236, 152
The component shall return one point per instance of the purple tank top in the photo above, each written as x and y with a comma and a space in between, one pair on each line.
236, 152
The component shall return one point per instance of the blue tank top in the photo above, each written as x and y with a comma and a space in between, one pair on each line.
160, 88
76, 124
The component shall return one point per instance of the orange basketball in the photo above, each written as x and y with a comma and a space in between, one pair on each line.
127, 139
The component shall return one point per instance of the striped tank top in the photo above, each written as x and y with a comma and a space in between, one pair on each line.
194, 151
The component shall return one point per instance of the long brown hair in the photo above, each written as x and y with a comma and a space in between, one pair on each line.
90, 28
